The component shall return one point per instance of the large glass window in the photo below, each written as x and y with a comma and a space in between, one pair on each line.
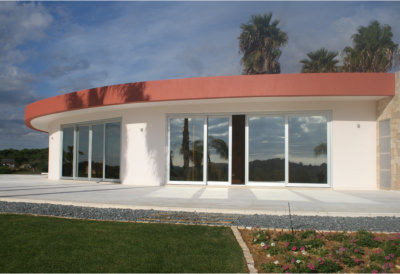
92, 151
186, 149
83, 151
218, 149
266, 149
308, 149
113, 144
97, 150
68, 152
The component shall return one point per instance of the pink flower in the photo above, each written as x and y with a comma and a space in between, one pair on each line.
374, 271
376, 239
285, 267
321, 261
293, 260
286, 244
377, 251
357, 260
342, 249
265, 247
387, 258
302, 248
355, 250
319, 236
294, 248
391, 255
311, 266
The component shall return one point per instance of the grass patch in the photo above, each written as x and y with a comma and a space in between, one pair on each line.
324, 252
46, 244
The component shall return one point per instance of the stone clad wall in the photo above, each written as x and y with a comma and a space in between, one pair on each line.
389, 108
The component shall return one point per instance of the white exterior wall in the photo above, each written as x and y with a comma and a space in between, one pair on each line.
144, 136
54, 152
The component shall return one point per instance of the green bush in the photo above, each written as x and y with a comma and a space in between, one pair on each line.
307, 233
338, 237
328, 266
287, 237
366, 239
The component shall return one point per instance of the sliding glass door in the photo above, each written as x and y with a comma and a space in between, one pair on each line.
308, 149
266, 149
186, 144
275, 149
218, 149
91, 151
190, 138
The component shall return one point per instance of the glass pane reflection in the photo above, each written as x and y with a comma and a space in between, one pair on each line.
97, 150
218, 149
308, 149
186, 149
113, 148
68, 152
266, 149
83, 151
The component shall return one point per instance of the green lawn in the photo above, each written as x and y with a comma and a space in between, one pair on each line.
45, 244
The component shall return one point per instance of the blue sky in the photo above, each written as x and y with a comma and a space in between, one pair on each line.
50, 48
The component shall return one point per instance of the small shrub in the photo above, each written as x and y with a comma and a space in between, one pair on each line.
323, 252
366, 239
328, 266
347, 260
286, 237
379, 258
271, 268
261, 236
391, 247
314, 243
307, 233
338, 237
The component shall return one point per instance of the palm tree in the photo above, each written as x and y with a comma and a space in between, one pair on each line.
321, 60
320, 149
259, 42
373, 50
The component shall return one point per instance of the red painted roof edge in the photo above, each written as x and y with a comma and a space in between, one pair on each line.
218, 87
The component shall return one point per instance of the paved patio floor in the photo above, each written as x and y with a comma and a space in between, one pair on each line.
234, 199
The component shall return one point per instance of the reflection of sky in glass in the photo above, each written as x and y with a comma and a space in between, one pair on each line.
196, 132
266, 138
218, 130
113, 140
305, 134
97, 150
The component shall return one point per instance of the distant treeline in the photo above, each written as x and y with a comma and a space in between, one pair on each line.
26, 161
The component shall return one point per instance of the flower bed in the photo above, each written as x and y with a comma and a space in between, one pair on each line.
311, 251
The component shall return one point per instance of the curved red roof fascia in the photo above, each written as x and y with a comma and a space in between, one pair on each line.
240, 86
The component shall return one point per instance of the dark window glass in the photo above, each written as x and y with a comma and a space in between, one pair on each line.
83, 151
266, 149
186, 149
68, 152
308, 149
218, 149
112, 150
97, 150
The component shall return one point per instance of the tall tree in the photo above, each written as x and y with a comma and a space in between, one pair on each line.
321, 60
373, 50
260, 43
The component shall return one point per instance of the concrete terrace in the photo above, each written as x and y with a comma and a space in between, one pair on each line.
233, 199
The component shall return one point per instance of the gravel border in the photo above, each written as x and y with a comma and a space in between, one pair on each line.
380, 224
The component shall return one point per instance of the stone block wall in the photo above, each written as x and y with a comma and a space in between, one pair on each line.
389, 108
